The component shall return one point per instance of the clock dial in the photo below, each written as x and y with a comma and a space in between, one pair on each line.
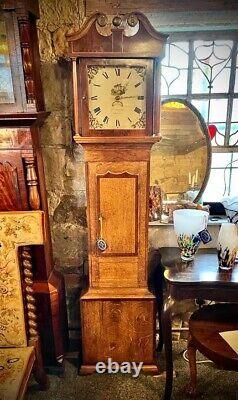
117, 97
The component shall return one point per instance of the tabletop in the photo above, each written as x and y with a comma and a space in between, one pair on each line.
204, 269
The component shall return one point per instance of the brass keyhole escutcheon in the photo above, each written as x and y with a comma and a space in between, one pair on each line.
100, 242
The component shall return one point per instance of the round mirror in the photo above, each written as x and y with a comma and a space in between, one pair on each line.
180, 163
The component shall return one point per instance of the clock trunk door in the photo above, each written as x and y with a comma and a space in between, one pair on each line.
118, 213
120, 222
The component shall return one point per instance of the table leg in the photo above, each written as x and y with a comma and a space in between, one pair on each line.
161, 339
167, 335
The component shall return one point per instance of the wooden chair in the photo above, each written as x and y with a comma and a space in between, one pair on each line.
20, 351
204, 327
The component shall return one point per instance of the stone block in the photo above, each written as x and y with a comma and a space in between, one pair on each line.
69, 245
53, 201
56, 131
74, 174
59, 17
78, 152
74, 284
69, 211
45, 45
57, 85
54, 161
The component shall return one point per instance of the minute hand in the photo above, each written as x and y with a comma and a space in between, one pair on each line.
127, 97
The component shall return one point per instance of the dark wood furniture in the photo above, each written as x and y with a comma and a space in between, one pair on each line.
205, 326
200, 279
117, 310
22, 112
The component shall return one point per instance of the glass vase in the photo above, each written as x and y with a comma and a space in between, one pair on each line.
227, 245
187, 224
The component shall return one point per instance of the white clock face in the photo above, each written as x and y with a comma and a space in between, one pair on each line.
117, 97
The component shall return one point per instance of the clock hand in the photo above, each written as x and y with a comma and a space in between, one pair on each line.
128, 97
124, 97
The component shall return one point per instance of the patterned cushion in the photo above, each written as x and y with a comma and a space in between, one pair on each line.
15, 364
16, 229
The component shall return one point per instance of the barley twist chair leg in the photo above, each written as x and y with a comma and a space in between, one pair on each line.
34, 340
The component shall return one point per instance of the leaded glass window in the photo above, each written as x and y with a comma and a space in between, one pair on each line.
205, 72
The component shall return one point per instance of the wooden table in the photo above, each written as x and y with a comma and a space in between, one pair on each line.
199, 279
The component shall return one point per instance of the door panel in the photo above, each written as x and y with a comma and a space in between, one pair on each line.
127, 332
118, 210
13, 195
118, 192
119, 272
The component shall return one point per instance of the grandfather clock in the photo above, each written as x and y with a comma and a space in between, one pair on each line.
22, 182
116, 118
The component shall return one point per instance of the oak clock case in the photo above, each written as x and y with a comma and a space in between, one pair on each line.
117, 96
116, 113
22, 112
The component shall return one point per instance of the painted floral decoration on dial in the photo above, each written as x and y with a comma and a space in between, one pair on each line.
117, 97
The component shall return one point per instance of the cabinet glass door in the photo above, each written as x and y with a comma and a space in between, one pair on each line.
6, 84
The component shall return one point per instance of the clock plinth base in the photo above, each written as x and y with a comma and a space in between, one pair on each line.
118, 326
152, 369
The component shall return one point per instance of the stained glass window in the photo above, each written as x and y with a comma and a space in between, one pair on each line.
205, 72
175, 69
224, 177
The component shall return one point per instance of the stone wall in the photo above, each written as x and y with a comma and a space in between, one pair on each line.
64, 165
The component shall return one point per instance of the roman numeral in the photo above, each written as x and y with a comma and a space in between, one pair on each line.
117, 123
138, 84
129, 75
94, 97
141, 97
97, 110
94, 84
129, 119
117, 71
105, 120
105, 74
137, 110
